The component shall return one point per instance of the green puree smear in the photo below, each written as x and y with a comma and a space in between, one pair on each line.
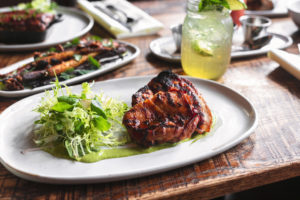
115, 152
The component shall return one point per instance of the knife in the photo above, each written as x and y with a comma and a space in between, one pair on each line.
113, 16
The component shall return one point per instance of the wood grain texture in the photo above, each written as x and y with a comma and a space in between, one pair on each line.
270, 154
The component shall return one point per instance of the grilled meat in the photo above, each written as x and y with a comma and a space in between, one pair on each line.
25, 26
168, 109
25, 20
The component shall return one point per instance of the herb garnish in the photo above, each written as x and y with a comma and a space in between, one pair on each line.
52, 49
67, 74
95, 38
75, 41
2, 86
212, 4
77, 57
94, 62
45, 6
109, 43
220, 4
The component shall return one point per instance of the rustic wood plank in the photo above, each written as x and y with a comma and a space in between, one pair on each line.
270, 154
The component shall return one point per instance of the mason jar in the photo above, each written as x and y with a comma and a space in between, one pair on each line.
206, 41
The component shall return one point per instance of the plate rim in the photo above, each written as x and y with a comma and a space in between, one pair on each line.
35, 46
130, 175
257, 52
234, 55
166, 58
22, 93
271, 13
266, 13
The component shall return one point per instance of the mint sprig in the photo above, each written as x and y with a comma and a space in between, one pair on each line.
212, 5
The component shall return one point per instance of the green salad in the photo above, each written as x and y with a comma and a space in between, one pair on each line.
81, 123
46, 6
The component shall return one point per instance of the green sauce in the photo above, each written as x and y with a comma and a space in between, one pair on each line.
61, 152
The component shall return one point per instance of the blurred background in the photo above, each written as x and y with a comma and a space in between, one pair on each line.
15, 2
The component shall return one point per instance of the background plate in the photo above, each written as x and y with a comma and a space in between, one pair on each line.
277, 42
74, 24
279, 10
236, 120
164, 48
133, 52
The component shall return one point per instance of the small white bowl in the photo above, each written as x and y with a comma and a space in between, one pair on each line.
294, 11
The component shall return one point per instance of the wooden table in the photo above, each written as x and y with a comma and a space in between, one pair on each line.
270, 154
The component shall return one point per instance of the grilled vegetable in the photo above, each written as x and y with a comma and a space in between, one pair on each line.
84, 54
64, 66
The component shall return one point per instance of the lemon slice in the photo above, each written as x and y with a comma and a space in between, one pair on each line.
236, 4
202, 47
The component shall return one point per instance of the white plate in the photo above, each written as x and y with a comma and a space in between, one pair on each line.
279, 10
277, 42
164, 48
236, 119
74, 24
133, 52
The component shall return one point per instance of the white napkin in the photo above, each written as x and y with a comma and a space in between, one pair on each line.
290, 62
145, 25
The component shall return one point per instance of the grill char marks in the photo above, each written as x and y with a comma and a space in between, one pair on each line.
168, 109
141, 95
168, 81
155, 121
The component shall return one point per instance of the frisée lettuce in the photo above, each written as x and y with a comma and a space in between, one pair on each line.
82, 123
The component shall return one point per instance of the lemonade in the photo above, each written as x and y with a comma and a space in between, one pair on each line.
206, 41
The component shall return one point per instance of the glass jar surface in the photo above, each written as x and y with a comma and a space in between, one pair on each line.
206, 42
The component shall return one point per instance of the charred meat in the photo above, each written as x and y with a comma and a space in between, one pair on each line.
25, 20
64, 62
167, 109
25, 26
